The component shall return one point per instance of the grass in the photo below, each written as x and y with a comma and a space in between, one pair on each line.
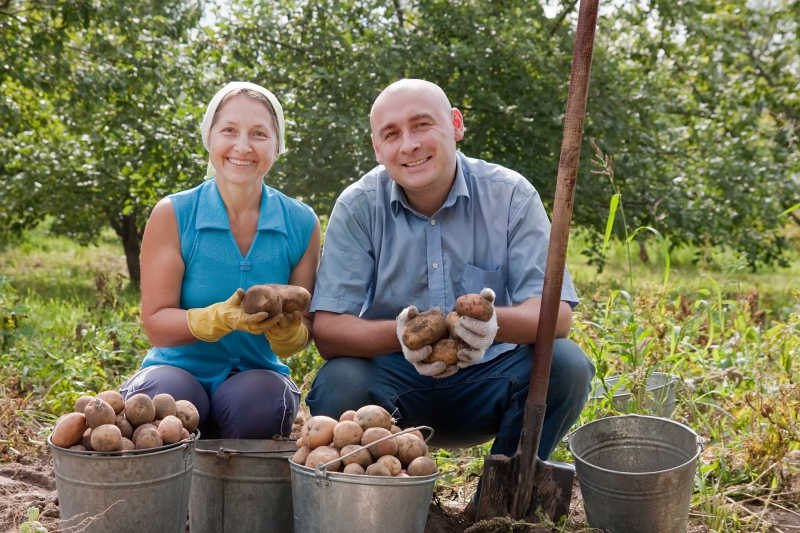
70, 324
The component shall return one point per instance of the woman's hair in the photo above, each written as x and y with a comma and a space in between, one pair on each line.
255, 95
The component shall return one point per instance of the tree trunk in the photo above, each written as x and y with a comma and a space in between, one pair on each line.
125, 227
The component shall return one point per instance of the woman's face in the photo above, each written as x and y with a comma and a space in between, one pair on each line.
242, 143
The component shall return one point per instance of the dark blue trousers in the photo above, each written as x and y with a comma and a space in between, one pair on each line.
253, 404
472, 406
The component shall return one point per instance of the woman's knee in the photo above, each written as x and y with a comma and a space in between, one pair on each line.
255, 404
177, 382
341, 384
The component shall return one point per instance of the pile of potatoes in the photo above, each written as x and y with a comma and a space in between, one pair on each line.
108, 423
433, 328
324, 439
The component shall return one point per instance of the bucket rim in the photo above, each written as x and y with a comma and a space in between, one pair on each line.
127, 453
578, 458
341, 476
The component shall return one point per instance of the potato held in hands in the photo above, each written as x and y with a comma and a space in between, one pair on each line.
424, 329
274, 299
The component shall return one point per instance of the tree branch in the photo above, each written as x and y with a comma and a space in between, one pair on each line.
399, 11
567, 10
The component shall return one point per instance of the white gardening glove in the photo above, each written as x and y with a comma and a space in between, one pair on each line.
437, 369
476, 334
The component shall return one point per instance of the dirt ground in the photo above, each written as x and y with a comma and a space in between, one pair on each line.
32, 484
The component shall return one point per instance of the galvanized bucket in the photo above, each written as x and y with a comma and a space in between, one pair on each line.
659, 388
636, 473
241, 485
124, 492
333, 502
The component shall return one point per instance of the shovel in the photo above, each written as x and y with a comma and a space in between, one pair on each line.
517, 486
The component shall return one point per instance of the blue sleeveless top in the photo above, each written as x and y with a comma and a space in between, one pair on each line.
215, 268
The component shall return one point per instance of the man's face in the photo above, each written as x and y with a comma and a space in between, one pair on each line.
414, 134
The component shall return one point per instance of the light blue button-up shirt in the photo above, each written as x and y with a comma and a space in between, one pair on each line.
381, 255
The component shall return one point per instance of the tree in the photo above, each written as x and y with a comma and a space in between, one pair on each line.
105, 98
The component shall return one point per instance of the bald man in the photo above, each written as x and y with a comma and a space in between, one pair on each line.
424, 227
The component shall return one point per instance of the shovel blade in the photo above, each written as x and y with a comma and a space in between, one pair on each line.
553, 488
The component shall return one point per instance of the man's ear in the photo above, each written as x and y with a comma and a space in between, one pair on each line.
458, 124
375, 148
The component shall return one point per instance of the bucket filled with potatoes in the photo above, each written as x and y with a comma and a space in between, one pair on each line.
361, 461
120, 462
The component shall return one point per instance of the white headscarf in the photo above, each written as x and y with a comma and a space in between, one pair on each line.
208, 118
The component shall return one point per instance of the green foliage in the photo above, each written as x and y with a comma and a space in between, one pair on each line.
32, 524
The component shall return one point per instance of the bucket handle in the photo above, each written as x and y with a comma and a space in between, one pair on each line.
225, 453
321, 469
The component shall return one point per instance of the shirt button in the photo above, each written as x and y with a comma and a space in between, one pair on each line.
433, 222
436, 265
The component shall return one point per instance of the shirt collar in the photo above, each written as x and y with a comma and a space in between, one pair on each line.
397, 197
211, 211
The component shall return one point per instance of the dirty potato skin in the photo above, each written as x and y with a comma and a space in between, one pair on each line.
424, 329
475, 306
445, 350
274, 298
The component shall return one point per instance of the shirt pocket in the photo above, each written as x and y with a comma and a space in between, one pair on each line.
474, 279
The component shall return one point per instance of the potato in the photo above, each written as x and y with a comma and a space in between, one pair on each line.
106, 438
363, 457
378, 469
148, 437
409, 448
424, 329
99, 412
300, 455
320, 431
86, 439
322, 455
187, 412
391, 463
347, 415
138, 431
114, 399
124, 426
416, 433
69, 430
78, 447
139, 409
164, 404
170, 429
444, 350
451, 320
275, 298
387, 447
81, 402
475, 306
347, 432
354, 468
372, 416
422, 466
185, 434
127, 444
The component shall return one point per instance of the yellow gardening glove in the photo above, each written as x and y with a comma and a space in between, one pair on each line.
212, 323
288, 334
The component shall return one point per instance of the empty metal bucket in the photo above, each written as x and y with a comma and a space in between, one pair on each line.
636, 473
660, 390
333, 502
241, 485
130, 492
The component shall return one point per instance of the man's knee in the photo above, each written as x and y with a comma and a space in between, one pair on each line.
341, 384
570, 364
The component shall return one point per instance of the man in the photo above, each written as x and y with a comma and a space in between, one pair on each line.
426, 226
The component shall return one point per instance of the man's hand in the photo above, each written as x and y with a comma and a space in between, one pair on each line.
217, 320
476, 334
437, 369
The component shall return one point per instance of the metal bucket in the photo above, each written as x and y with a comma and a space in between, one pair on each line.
659, 388
241, 485
636, 473
334, 502
124, 492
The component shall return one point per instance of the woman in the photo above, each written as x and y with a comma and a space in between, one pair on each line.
200, 248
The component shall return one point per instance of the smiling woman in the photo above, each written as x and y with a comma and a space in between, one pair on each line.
200, 249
